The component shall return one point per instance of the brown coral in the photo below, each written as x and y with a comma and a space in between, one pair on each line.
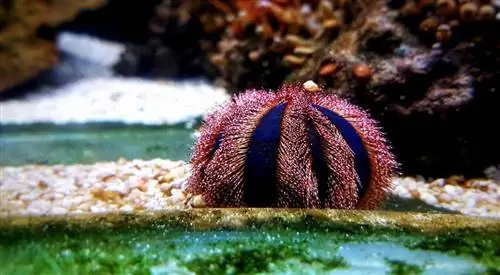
466, 20
268, 38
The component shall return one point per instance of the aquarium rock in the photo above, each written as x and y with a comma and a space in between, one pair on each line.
24, 53
426, 69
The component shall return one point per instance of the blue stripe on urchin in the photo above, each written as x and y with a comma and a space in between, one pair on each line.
260, 188
352, 138
217, 143
320, 168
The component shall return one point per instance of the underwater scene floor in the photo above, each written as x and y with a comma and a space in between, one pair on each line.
251, 241
110, 199
82, 195
103, 167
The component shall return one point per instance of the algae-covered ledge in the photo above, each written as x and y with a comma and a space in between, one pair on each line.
101, 239
220, 218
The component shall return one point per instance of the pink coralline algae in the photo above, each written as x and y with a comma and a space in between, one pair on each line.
294, 148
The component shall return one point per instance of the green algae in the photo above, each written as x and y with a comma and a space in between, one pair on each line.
259, 259
214, 241
402, 268
482, 247
136, 251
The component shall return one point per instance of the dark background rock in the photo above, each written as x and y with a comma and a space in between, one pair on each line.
124, 21
175, 53
438, 104
26, 47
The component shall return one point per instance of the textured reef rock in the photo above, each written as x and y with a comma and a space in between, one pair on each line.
427, 69
298, 147
432, 81
22, 53
242, 43
253, 44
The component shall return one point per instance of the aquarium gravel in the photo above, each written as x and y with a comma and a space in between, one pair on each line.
115, 99
97, 188
151, 185
477, 197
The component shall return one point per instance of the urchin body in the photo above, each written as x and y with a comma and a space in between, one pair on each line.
292, 148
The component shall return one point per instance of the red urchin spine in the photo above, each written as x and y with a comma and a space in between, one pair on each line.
291, 149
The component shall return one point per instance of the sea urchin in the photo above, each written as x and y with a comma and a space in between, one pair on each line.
298, 147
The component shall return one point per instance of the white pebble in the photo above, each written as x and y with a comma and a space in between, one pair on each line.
117, 186
127, 208
470, 203
453, 190
97, 209
444, 197
59, 211
31, 196
493, 188
428, 198
437, 183
40, 206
